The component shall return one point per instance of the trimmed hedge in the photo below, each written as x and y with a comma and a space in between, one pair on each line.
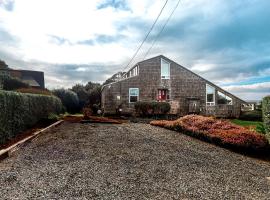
11, 83
220, 132
19, 111
253, 115
266, 114
151, 108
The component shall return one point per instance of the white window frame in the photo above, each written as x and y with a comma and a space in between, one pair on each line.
133, 95
231, 103
214, 96
165, 77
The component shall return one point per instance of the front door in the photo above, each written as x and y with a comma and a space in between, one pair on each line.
162, 94
194, 106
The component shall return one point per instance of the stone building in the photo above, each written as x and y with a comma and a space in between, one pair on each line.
161, 79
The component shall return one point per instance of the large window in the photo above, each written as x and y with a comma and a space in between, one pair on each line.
224, 99
133, 95
165, 69
221, 98
210, 95
229, 100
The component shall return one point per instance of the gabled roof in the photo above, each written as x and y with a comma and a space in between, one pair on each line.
162, 56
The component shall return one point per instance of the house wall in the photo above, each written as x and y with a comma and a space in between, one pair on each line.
183, 86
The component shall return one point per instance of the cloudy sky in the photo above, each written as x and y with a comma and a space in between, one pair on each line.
76, 41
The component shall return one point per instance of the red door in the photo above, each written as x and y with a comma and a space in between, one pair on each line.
162, 95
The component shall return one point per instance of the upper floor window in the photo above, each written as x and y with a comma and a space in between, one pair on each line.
210, 95
229, 100
133, 72
133, 95
165, 69
223, 99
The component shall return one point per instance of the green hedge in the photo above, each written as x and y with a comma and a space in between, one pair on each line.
151, 108
253, 115
266, 114
10, 83
19, 111
69, 99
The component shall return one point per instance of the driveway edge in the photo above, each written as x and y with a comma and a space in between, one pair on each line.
7, 152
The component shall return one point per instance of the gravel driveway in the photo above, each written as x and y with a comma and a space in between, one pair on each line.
129, 161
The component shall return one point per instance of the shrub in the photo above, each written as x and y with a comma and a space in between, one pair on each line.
53, 117
34, 91
10, 83
217, 131
20, 111
254, 115
69, 99
87, 112
83, 95
266, 113
152, 108
88, 95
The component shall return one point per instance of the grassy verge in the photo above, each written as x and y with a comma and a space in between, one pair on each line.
253, 125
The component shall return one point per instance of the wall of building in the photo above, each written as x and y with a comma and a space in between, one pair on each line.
183, 86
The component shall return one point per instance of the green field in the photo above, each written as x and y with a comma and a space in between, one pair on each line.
258, 125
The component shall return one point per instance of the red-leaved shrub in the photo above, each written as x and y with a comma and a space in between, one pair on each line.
216, 131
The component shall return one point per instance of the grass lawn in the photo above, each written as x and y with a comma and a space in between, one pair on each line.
256, 125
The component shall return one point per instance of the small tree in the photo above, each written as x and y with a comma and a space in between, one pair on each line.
89, 95
83, 95
266, 114
3, 65
69, 99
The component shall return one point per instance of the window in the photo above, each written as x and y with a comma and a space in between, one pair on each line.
133, 72
165, 69
210, 95
221, 98
133, 95
224, 99
229, 100
136, 70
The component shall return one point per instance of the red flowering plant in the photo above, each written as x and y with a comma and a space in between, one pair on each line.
216, 130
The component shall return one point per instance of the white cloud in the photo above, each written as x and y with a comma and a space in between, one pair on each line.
223, 41
33, 21
250, 91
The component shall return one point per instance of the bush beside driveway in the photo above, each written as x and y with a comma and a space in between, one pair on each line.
138, 161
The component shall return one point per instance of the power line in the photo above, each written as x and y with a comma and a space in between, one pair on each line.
158, 35
147, 35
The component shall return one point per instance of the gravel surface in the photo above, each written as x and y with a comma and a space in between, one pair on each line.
129, 161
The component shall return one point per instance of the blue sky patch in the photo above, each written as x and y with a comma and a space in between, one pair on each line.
117, 4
